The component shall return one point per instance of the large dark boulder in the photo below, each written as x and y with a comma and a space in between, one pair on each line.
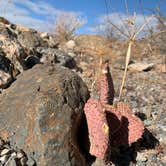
41, 112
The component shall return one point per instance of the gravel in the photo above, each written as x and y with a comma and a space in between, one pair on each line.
10, 156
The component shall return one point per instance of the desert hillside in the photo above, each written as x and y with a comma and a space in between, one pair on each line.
59, 101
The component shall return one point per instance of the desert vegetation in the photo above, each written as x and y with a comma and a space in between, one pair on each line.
97, 99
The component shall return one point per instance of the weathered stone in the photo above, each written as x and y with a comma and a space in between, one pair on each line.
4, 63
140, 66
5, 79
141, 157
70, 44
52, 55
5, 70
11, 162
30, 39
31, 162
4, 21
12, 49
40, 113
5, 151
50, 39
4, 159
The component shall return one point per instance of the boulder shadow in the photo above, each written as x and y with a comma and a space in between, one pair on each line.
120, 152
125, 154
84, 142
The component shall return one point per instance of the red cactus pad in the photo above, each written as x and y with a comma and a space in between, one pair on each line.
97, 127
131, 128
106, 86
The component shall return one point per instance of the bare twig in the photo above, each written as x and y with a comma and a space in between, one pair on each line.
128, 54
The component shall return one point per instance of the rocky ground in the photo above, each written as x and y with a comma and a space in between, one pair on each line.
21, 49
145, 92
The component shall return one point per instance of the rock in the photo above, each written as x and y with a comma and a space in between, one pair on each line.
32, 60
5, 152
1, 142
52, 55
50, 39
99, 162
4, 21
30, 39
11, 162
22, 28
6, 71
152, 157
70, 44
23, 160
141, 157
5, 79
12, 49
120, 63
43, 109
20, 155
48, 55
44, 35
4, 159
66, 60
140, 66
5, 63
14, 154
31, 162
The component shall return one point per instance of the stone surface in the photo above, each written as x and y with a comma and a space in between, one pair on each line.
140, 66
30, 39
21, 48
70, 44
12, 49
5, 79
40, 113
52, 55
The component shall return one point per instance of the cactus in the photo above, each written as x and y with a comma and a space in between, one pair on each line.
109, 125
131, 127
98, 128
106, 86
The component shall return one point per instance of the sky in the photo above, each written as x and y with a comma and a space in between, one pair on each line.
42, 14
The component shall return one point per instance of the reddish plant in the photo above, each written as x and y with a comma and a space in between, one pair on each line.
109, 125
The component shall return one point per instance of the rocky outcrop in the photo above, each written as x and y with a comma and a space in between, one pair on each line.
24, 48
11, 48
30, 39
52, 55
41, 112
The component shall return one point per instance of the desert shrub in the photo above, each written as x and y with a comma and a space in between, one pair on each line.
67, 24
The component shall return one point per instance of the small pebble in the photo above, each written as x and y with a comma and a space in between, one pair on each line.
141, 157
4, 158
14, 154
152, 157
5, 151
20, 155
31, 162
24, 160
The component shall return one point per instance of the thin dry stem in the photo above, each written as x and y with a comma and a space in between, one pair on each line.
128, 54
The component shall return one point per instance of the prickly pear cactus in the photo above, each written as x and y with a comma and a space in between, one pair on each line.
110, 125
